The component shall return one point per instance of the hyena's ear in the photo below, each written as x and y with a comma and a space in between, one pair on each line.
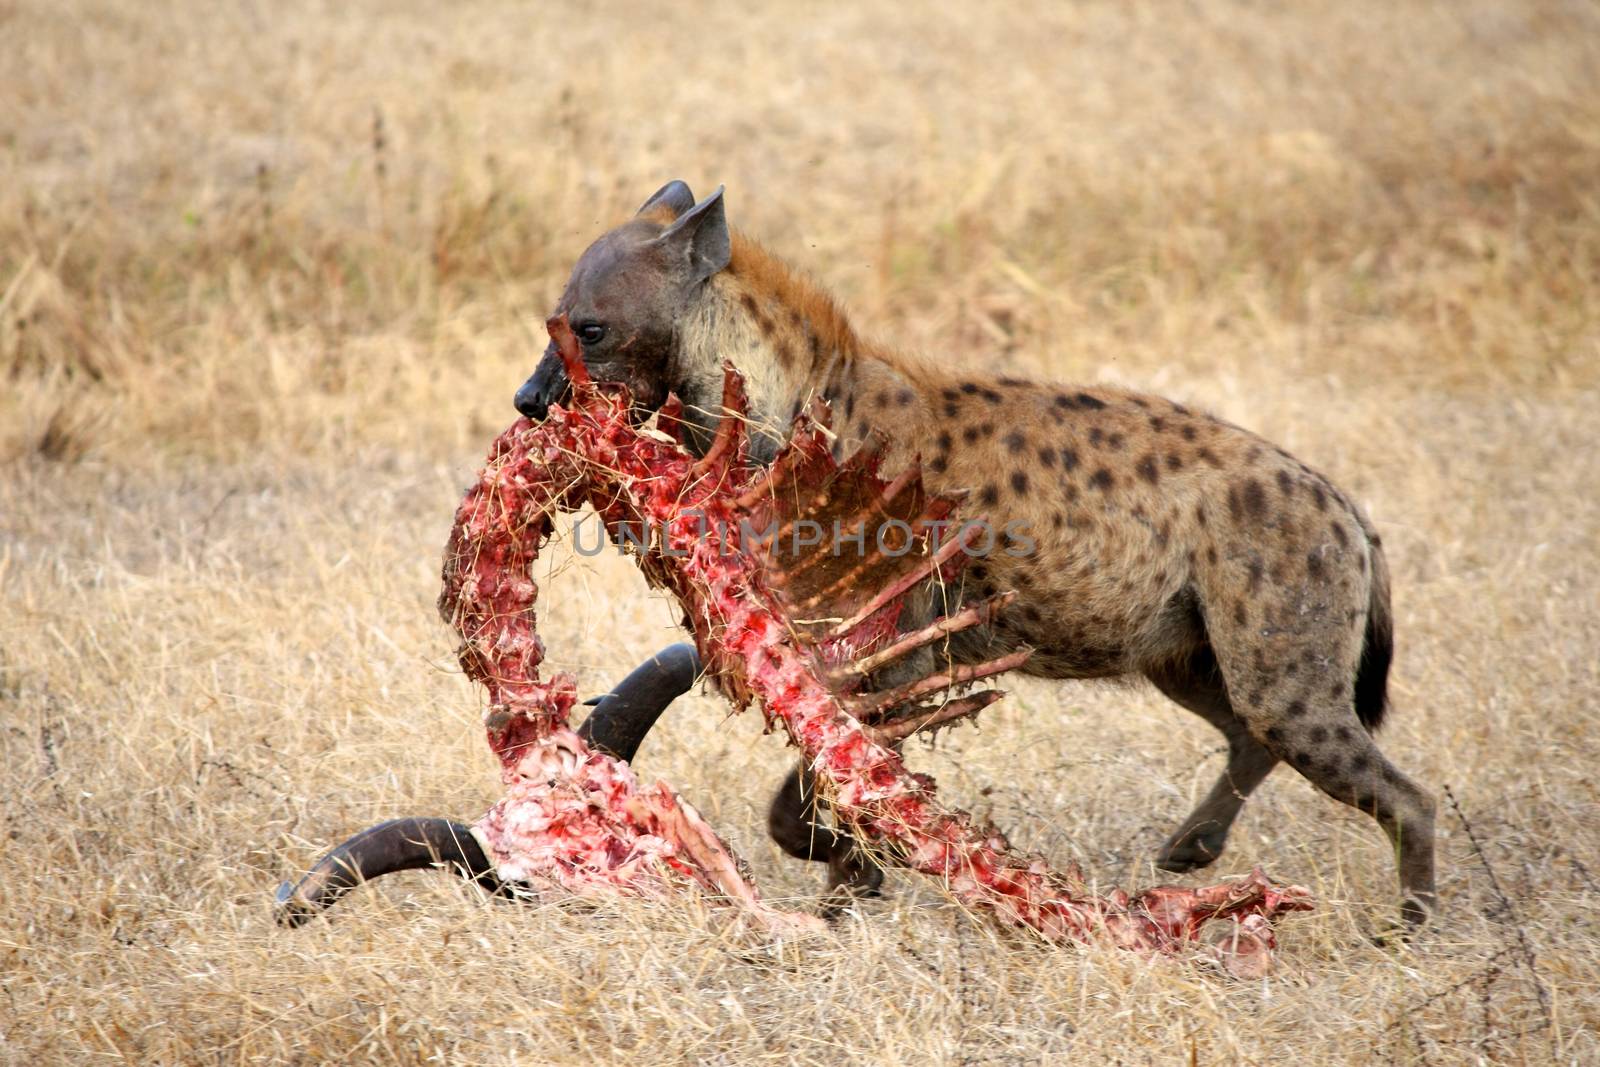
700, 237
674, 195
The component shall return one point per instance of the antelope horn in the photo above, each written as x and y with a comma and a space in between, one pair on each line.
622, 717
397, 845
617, 726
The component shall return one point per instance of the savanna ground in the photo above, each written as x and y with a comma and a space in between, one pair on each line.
270, 274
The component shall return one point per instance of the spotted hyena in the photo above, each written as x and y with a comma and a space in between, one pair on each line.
1168, 544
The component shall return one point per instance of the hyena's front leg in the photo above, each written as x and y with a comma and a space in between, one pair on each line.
795, 819
1197, 685
797, 824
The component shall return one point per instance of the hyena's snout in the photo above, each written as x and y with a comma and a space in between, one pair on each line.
547, 385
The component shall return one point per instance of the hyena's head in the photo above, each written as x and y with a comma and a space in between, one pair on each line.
629, 293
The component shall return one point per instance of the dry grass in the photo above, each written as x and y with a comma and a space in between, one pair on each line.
269, 275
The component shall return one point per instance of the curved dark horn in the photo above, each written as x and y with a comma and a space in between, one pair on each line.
397, 845
618, 725
622, 718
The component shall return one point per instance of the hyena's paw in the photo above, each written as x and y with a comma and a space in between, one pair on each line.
1401, 931
852, 876
1192, 848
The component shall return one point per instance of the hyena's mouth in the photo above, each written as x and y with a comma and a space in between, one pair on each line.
547, 386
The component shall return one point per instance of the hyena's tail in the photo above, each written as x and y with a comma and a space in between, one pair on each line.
1377, 650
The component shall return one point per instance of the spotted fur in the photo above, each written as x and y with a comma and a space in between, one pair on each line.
1170, 544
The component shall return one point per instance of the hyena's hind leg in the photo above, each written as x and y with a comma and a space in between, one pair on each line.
1298, 696
1197, 684
1320, 737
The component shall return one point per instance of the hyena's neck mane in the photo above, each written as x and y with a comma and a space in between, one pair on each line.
789, 340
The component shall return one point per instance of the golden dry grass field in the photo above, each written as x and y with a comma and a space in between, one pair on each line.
270, 274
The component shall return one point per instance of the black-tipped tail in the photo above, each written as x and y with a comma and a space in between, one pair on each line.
1377, 650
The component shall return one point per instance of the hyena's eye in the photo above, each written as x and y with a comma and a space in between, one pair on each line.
590, 333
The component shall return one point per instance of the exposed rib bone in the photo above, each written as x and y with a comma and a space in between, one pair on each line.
924, 569
980, 614
878, 508
933, 717
875, 704
766, 487
864, 462
730, 428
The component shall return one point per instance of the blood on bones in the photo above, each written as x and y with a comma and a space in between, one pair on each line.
800, 635
573, 817
803, 634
